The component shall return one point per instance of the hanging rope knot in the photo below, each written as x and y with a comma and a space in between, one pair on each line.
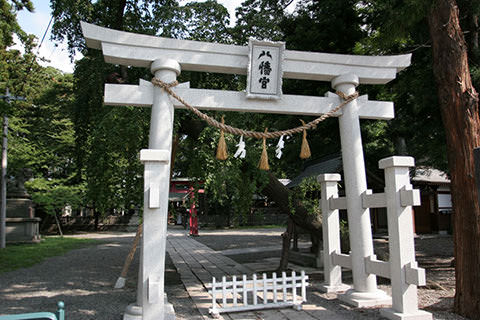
305, 149
263, 163
159, 83
222, 145
348, 98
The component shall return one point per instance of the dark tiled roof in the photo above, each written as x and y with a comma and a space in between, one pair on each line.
430, 176
330, 164
172, 196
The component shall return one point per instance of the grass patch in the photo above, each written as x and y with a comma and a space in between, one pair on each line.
16, 256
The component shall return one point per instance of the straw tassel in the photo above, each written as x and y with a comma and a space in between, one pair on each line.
263, 164
305, 150
222, 145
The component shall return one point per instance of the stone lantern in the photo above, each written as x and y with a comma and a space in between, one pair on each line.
21, 223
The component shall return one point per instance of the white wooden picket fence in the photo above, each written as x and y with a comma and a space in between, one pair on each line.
258, 293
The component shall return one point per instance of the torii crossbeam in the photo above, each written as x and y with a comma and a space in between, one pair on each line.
166, 57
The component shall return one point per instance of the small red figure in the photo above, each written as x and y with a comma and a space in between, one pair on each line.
193, 216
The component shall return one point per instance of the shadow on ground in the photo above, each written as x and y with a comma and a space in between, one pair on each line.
84, 280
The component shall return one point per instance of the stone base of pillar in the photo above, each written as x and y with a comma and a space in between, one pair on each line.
169, 311
394, 315
134, 312
365, 299
334, 289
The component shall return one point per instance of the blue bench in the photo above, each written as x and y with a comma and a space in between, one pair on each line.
39, 315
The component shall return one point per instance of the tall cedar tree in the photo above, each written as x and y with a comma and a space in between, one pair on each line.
458, 102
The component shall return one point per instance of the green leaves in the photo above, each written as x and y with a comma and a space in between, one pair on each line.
41, 130
8, 21
41, 138
259, 19
327, 26
205, 21
55, 195
308, 194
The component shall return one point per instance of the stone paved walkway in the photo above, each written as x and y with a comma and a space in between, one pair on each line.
197, 264
197, 260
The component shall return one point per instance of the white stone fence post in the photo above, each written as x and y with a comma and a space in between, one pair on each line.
332, 271
401, 269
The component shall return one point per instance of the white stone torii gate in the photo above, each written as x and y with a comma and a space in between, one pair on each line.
166, 57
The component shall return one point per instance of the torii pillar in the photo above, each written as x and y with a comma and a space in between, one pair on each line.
364, 292
151, 301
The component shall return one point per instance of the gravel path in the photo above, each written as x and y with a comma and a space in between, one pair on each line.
84, 280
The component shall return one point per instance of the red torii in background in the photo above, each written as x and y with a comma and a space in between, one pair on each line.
180, 190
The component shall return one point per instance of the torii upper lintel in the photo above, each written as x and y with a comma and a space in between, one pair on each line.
140, 50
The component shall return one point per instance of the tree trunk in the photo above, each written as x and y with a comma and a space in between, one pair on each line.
277, 192
96, 216
458, 102
58, 224
173, 156
119, 12
286, 240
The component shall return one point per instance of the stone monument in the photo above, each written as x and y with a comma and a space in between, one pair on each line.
21, 223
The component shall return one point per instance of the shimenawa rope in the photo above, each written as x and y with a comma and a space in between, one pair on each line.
253, 134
